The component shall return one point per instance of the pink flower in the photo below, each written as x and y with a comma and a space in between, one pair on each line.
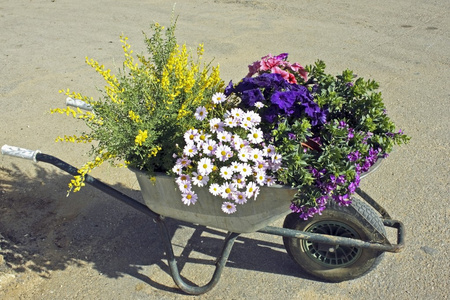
268, 62
286, 75
296, 67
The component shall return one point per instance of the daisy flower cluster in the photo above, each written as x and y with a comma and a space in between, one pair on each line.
228, 156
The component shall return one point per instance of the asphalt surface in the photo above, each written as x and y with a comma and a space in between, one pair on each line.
88, 246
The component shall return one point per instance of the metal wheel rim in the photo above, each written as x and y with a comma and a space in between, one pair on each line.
332, 256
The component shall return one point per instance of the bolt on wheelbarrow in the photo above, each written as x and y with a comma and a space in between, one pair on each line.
343, 243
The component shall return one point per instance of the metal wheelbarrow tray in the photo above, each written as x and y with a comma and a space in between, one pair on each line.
341, 244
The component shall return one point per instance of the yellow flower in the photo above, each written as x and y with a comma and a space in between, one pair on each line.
134, 117
141, 137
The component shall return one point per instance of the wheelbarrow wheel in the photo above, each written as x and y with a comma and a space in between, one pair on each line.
336, 263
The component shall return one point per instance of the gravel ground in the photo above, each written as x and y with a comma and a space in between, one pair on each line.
89, 246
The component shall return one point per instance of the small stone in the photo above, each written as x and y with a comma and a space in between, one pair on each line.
429, 250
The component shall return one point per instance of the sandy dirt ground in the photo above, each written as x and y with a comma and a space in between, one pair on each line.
89, 246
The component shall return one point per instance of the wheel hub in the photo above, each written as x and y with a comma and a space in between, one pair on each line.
332, 255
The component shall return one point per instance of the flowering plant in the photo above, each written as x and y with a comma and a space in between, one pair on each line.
230, 151
282, 123
146, 109
328, 130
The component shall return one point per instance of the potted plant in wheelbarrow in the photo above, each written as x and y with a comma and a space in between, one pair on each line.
283, 140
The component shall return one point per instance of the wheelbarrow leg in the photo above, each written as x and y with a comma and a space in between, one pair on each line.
220, 263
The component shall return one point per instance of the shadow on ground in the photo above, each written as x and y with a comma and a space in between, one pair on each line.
41, 230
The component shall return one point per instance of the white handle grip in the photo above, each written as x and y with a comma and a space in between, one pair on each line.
20, 152
78, 103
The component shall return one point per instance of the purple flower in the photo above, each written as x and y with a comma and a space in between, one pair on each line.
357, 180
350, 133
271, 114
341, 180
322, 200
250, 97
342, 124
354, 156
229, 89
352, 187
342, 200
282, 56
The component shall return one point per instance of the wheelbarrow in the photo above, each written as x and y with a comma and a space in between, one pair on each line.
343, 243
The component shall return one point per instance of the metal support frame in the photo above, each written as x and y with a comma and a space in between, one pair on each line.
231, 236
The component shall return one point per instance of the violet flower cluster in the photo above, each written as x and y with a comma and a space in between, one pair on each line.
279, 98
336, 188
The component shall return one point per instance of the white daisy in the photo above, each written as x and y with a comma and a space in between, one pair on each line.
237, 113
252, 117
184, 186
201, 137
227, 190
231, 122
199, 179
223, 152
239, 143
218, 98
201, 113
190, 150
216, 125
244, 153
228, 207
260, 165
270, 180
260, 177
183, 177
276, 159
251, 189
255, 136
245, 170
205, 166
269, 151
177, 169
215, 189
190, 135
189, 198
259, 104
240, 198
239, 181
209, 148
224, 136
256, 155
226, 173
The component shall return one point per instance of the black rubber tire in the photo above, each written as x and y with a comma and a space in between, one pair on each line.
342, 263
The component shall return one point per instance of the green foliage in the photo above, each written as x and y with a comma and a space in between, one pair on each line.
144, 110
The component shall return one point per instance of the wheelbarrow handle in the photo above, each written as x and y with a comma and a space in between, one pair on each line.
20, 152
78, 103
